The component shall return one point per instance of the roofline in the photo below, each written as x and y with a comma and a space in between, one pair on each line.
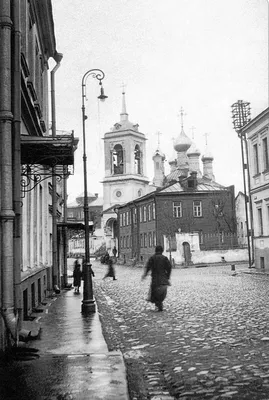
254, 120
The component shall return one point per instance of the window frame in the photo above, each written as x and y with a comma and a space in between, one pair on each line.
177, 209
197, 209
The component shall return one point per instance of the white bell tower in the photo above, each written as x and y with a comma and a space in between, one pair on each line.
125, 162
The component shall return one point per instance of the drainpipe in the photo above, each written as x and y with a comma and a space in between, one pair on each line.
55, 268
16, 142
7, 215
65, 171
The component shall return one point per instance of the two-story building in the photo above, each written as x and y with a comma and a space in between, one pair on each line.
189, 205
257, 134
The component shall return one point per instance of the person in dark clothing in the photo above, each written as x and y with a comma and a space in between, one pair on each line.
160, 268
111, 270
77, 276
114, 251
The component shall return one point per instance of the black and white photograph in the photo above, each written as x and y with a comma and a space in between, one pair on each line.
134, 200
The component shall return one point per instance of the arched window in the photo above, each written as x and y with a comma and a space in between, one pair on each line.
137, 159
117, 160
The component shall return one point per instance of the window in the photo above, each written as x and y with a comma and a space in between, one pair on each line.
256, 159
120, 219
127, 242
124, 219
153, 211
141, 239
140, 214
150, 239
262, 265
149, 212
177, 210
145, 240
265, 153
127, 218
137, 159
145, 213
117, 160
260, 222
221, 237
134, 216
197, 208
154, 239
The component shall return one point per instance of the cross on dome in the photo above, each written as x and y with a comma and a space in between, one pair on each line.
182, 114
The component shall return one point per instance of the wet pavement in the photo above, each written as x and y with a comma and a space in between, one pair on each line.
211, 342
70, 360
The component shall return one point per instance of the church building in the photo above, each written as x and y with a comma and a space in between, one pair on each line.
185, 205
125, 170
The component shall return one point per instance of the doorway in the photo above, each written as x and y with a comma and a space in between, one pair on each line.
187, 253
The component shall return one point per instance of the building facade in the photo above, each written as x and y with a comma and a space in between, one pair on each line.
125, 170
32, 161
75, 215
191, 205
241, 203
257, 135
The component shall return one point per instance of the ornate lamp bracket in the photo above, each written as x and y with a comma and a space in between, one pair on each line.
32, 175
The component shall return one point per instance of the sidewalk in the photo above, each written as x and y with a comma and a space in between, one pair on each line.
73, 361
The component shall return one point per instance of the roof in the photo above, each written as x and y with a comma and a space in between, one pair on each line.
95, 203
48, 150
203, 185
111, 209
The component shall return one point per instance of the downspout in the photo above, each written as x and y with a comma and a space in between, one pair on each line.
55, 268
16, 138
6, 203
65, 243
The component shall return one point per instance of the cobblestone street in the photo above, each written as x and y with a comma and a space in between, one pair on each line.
211, 341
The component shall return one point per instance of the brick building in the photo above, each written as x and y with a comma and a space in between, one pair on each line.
189, 205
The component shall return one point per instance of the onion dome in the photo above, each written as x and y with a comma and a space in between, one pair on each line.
182, 142
193, 150
158, 152
207, 155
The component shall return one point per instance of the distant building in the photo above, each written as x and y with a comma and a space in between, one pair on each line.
257, 133
75, 214
138, 214
191, 205
240, 208
125, 170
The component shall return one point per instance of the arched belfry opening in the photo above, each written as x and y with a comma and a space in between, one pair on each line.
117, 160
138, 160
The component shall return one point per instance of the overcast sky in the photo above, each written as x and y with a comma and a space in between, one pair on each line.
202, 55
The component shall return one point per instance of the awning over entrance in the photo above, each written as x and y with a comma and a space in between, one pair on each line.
71, 225
48, 150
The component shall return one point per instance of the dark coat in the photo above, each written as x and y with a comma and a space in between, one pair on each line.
160, 268
77, 274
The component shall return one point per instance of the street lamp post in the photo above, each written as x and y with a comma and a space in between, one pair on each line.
241, 116
88, 303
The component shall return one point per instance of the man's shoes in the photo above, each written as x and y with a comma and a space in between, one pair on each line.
114, 279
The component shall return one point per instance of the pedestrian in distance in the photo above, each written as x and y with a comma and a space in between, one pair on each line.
110, 270
77, 274
114, 251
160, 268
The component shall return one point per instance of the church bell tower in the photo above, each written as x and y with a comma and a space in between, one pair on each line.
125, 162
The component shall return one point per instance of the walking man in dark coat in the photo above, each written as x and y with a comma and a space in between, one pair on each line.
160, 268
